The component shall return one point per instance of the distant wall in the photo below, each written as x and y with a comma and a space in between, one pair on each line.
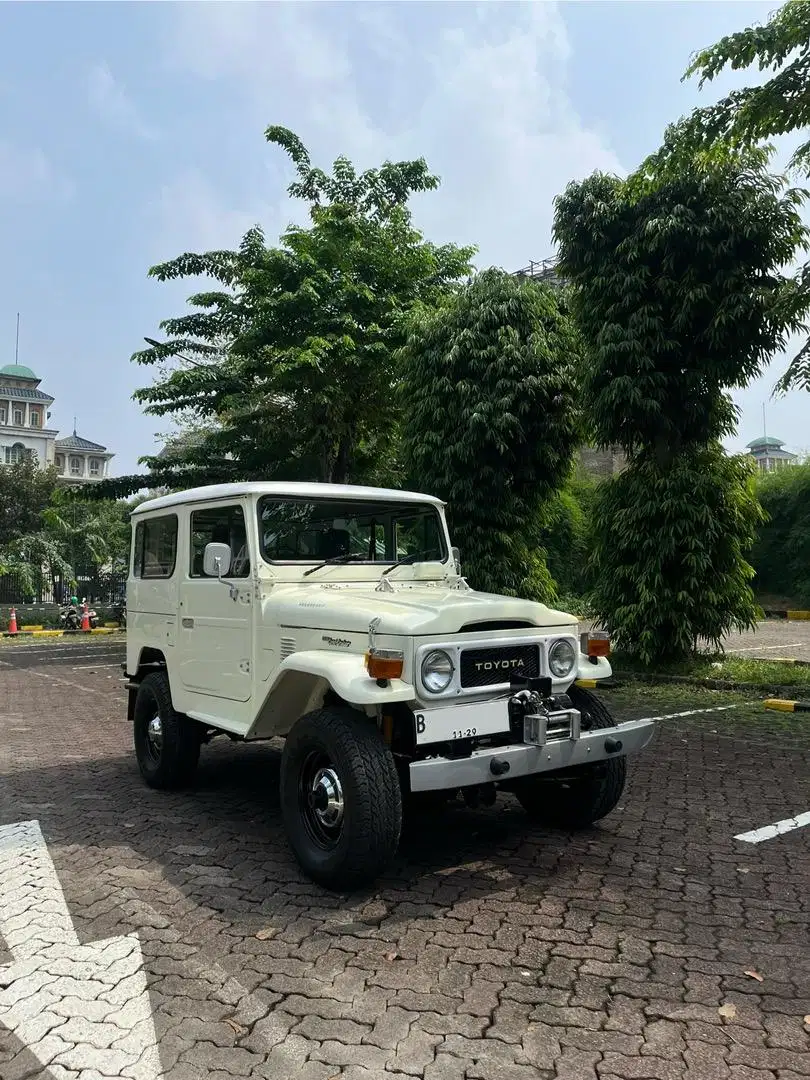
601, 463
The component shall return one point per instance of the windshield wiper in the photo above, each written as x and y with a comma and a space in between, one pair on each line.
336, 561
407, 560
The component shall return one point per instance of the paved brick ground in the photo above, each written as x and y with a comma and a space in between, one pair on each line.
492, 951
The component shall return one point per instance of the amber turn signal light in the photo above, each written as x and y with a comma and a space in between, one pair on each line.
385, 663
598, 644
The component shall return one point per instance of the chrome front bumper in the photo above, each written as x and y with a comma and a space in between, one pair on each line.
524, 759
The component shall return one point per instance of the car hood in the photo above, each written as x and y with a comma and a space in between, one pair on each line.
408, 610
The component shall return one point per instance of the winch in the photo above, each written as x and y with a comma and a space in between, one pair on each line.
538, 716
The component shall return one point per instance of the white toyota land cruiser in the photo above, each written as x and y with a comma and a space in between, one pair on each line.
338, 617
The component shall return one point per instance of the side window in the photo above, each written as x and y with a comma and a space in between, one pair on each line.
220, 525
155, 546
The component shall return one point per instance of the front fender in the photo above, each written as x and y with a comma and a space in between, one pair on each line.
302, 680
587, 670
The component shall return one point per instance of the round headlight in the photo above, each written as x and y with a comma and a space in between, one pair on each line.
437, 671
561, 658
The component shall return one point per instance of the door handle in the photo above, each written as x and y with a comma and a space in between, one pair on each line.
187, 624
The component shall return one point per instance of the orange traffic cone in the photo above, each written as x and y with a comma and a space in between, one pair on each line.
12, 622
85, 617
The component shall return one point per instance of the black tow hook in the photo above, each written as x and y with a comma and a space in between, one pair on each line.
613, 746
499, 767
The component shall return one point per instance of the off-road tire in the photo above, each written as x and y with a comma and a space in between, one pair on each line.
577, 802
356, 852
172, 765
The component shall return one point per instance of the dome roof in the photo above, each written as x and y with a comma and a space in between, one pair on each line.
18, 371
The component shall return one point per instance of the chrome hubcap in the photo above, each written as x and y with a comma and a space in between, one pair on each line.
325, 798
155, 735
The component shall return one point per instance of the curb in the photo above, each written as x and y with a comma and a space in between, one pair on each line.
783, 705
791, 614
707, 684
63, 633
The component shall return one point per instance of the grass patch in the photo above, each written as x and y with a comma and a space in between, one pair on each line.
727, 669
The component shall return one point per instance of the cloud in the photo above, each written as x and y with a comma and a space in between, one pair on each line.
28, 175
478, 90
188, 214
111, 102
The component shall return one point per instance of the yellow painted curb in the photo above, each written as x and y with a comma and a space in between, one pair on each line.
587, 684
31, 626
47, 633
799, 616
781, 705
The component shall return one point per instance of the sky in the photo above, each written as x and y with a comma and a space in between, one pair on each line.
132, 132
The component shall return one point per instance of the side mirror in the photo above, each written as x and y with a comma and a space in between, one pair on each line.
216, 560
456, 558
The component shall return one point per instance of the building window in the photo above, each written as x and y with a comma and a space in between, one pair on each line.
95, 466
18, 418
34, 419
155, 547
15, 453
3, 415
60, 462
76, 466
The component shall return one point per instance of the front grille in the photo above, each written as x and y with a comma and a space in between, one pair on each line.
492, 666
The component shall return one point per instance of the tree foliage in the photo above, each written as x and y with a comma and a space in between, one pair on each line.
781, 555
488, 392
778, 106
678, 290
290, 370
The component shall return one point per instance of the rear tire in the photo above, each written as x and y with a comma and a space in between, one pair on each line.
340, 798
167, 743
577, 801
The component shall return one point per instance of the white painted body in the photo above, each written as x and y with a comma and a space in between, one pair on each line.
252, 660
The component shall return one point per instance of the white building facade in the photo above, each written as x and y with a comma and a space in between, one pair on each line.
25, 413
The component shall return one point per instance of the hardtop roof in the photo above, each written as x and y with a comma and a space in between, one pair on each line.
214, 492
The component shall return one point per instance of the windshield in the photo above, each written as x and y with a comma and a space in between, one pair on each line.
300, 530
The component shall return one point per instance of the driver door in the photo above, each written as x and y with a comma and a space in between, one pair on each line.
215, 632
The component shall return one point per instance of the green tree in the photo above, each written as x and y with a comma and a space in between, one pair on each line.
26, 549
488, 391
777, 106
291, 370
678, 291
781, 104
781, 555
91, 533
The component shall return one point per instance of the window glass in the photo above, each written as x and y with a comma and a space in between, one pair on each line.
297, 530
75, 466
220, 525
155, 547
18, 417
34, 419
94, 466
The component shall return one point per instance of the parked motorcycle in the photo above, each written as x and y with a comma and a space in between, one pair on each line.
70, 617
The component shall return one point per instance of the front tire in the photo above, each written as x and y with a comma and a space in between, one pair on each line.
340, 798
580, 800
167, 743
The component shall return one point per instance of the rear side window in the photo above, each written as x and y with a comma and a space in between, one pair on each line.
155, 553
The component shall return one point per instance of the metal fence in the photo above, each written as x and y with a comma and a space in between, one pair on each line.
98, 588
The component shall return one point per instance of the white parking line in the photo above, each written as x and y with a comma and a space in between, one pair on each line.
768, 832
762, 648
694, 712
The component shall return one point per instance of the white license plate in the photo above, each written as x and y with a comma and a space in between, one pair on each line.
461, 722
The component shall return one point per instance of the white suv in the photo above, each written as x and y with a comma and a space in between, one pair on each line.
338, 617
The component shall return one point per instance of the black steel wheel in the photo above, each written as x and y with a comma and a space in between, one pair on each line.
340, 797
578, 799
167, 743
